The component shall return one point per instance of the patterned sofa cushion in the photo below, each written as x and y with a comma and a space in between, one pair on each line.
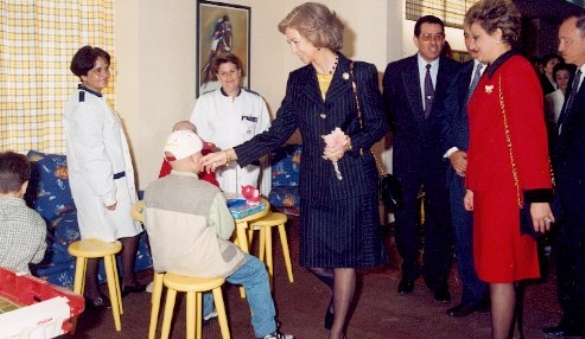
286, 162
284, 195
48, 192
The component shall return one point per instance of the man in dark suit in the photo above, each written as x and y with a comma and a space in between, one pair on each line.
569, 168
455, 138
414, 90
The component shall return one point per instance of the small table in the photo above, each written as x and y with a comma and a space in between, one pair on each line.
242, 226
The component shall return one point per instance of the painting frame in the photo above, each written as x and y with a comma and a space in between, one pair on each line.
221, 28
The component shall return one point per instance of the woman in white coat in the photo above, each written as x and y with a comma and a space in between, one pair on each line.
100, 170
229, 116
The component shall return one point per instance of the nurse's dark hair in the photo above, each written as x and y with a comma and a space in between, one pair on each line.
225, 58
85, 58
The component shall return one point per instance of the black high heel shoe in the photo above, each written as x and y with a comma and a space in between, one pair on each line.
329, 317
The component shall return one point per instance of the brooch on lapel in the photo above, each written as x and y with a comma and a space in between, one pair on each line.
489, 88
345, 76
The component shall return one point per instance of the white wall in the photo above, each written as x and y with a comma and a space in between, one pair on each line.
155, 50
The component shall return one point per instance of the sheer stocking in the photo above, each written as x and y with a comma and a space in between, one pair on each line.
326, 276
503, 298
91, 289
128, 254
343, 292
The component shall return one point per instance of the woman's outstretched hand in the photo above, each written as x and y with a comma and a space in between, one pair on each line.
212, 161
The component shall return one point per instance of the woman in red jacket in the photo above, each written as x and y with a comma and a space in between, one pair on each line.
508, 159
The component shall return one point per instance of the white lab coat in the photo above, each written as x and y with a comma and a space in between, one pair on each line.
229, 123
97, 149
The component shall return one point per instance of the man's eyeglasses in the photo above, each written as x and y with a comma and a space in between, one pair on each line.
432, 37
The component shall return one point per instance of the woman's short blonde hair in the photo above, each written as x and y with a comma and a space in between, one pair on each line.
317, 23
494, 14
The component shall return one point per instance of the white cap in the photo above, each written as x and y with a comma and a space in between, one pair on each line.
182, 144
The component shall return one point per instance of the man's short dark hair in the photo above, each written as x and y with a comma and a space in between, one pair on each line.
14, 171
427, 19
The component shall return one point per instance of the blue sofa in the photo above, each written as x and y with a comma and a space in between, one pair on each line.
284, 195
49, 194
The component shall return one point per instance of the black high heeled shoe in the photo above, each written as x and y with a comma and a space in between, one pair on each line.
329, 317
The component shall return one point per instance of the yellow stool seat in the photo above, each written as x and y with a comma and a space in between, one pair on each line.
91, 249
265, 225
194, 287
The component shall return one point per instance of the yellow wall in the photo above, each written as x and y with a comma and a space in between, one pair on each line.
155, 46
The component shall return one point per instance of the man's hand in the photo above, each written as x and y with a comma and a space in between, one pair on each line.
468, 200
459, 162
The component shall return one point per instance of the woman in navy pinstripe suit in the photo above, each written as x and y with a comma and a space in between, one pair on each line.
339, 218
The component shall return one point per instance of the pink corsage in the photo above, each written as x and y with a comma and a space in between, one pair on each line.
335, 139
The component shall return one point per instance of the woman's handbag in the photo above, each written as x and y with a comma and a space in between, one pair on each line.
389, 187
526, 225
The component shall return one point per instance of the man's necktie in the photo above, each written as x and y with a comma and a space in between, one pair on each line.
429, 91
474, 82
570, 98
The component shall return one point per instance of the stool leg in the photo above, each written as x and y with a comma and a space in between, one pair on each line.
286, 252
191, 315
114, 296
262, 244
199, 314
242, 238
269, 261
250, 236
118, 291
78, 283
220, 309
157, 287
168, 317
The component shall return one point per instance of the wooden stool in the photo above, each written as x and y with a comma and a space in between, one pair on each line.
194, 288
92, 249
265, 225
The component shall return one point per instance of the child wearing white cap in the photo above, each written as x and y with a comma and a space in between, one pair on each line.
189, 226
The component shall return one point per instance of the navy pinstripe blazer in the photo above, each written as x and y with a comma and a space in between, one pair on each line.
415, 138
304, 108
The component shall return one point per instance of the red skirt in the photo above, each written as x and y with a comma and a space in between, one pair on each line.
501, 254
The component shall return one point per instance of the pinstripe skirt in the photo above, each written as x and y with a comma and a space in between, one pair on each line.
343, 234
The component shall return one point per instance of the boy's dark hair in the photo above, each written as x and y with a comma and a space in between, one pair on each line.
14, 171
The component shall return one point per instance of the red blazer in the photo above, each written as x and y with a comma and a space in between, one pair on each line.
489, 165
165, 168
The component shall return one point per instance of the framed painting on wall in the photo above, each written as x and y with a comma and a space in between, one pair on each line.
221, 28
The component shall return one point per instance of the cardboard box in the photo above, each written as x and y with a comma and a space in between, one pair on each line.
240, 208
43, 310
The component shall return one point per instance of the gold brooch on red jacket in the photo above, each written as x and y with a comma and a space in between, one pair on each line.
489, 88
